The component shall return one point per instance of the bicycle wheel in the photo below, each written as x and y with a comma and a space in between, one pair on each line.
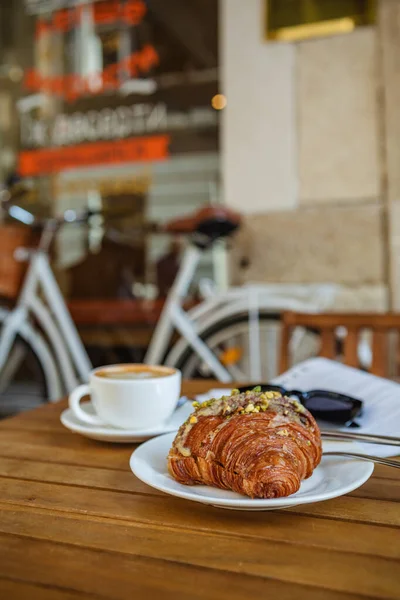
26, 358
229, 340
23, 383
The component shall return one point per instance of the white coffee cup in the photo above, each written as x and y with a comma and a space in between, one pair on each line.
129, 396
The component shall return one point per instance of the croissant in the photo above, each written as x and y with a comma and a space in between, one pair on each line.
260, 444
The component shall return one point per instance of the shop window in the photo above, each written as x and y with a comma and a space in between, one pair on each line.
292, 20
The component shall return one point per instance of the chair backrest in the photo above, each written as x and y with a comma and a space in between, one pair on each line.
351, 325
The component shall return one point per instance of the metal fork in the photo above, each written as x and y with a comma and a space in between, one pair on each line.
361, 437
376, 459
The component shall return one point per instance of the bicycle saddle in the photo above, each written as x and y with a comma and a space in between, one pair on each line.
212, 221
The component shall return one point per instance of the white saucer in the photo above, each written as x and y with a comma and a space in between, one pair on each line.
108, 433
334, 476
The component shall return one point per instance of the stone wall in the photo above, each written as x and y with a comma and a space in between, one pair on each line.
321, 244
337, 108
389, 50
322, 200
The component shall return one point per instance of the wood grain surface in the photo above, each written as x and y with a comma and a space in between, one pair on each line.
75, 523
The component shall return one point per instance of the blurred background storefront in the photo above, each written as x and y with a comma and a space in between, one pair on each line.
285, 110
112, 105
108, 105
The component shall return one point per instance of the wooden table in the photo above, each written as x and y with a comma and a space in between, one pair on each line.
75, 523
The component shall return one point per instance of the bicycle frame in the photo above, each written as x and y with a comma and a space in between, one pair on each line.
250, 299
61, 351
174, 317
52, 315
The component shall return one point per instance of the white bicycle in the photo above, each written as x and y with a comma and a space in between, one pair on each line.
231, 336
228, 336
40, 324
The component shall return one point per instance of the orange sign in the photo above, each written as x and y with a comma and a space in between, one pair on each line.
72, 86
129, 13
53, 160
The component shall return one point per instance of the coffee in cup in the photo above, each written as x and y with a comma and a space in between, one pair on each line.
129, 396
131, 372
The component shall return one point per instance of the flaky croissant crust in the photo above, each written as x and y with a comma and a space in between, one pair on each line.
258, 444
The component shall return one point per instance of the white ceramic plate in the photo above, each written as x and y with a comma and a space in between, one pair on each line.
335, 476
108, 433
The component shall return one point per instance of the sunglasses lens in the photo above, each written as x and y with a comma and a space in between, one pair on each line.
332, 404
330, 407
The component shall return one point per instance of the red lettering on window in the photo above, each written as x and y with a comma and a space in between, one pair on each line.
61, 20
57, 86
32, 80
72, 87
133, 11
106, 12
110, 77
147, 58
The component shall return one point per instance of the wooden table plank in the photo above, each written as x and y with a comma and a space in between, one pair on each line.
276, 526
83, 453
384, 489
123, 577
20, 590
72, 501
292, 562
356, 510
283, 562
118, 481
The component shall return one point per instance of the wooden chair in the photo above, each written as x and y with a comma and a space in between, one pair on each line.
327, 324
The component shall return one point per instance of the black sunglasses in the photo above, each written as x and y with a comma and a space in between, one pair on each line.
322, 404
